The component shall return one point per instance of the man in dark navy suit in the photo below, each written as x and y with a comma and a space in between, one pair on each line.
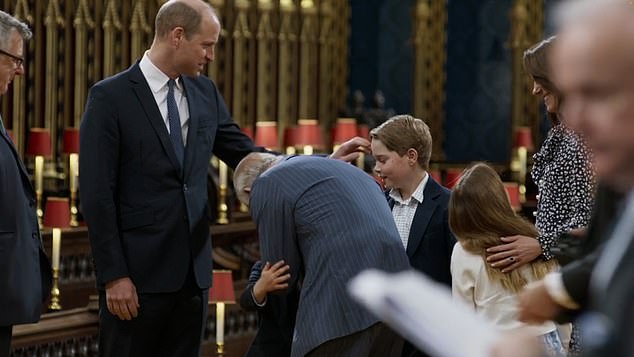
147, 136
25, 272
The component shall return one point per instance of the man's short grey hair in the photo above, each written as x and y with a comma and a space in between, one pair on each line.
579, 11
8, 24
249, 169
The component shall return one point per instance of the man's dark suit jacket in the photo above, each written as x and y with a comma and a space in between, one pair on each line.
610, 328
430, 242
25, 272
579, 254
276, 319
329, 221
148, 218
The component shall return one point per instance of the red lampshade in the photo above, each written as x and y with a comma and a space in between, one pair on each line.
266, 134
39, 142
344, 130
513, 191
222, 287
290, 136
248, 131
452, 177
523, 138
57, 212
309, 133
363, 130
71, 141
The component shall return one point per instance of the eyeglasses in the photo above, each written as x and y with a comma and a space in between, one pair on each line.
16, 60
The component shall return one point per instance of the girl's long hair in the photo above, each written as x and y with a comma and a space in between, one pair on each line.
480, 213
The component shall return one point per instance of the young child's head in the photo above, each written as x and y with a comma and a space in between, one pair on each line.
480, 214
401, 147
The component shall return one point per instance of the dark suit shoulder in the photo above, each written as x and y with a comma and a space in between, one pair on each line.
437, 192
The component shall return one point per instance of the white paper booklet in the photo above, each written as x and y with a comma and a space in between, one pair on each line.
423, 311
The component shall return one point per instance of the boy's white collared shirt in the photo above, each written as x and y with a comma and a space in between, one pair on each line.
404, 210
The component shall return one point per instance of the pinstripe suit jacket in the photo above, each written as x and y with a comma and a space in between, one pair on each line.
329, 221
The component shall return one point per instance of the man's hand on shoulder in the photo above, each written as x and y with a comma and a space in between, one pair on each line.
122, 299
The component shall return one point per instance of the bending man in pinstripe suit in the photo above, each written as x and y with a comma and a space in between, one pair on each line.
329, 221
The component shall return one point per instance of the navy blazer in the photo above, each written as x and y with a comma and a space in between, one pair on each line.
25, 271
148, 218
328, 220
430, 241
276, 319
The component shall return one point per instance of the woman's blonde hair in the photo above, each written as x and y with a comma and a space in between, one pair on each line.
480, 213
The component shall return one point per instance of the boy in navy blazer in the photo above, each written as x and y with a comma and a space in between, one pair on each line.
402, 149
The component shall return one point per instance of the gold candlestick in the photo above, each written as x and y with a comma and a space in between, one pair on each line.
522, 154
223, 217
223, 208
73, 174
54, 305
361, 161
39, 186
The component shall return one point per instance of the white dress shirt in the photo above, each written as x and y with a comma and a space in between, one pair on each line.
404, 210
471, 284
157, 81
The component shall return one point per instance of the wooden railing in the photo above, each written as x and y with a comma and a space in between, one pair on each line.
73, 331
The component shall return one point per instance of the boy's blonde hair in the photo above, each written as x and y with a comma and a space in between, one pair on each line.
403, 132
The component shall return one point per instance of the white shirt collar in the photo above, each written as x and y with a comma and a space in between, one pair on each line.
156, 79
417, 195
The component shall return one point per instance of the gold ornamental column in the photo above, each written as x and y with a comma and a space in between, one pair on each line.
527, 23
342, 36
287, 65
83, 23
327, 52
308, 54
111, 25
430, 18
266, 64
217, 70
519, 43
54, 22
241, 45
140, 31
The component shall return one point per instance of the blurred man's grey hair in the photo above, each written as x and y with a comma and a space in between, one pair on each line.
248, 170
8, 24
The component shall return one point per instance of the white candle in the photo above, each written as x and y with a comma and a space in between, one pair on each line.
39, 171
222, 172
220, 322
308, 150
57, 240
73, 171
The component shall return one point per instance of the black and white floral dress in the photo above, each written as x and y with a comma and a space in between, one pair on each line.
562, 170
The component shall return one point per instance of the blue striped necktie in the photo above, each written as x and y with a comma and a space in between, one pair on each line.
174, 119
